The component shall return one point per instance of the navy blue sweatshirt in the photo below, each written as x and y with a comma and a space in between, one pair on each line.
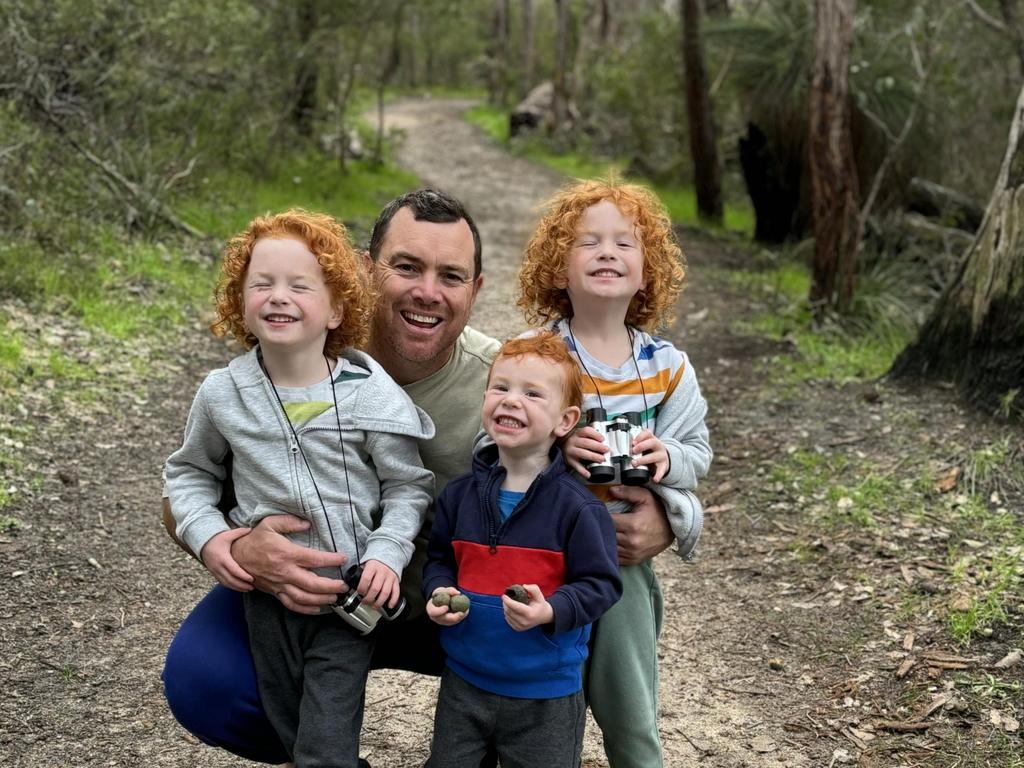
558, 537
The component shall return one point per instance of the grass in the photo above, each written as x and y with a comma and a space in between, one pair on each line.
831, 353
226, 202
983, 542
680, 201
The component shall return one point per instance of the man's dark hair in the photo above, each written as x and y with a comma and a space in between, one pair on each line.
426, 205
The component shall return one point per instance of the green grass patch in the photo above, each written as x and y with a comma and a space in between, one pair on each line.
680, 201
8, 524
831, 353
227, 201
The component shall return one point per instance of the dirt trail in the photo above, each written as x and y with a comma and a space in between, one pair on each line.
93, 591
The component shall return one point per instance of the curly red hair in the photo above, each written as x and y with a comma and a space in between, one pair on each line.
545, 262
548, 346
344, 274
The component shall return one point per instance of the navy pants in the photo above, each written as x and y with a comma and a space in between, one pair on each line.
210, 681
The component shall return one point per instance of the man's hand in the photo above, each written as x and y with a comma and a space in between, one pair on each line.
644, 532
284, 569
216, 556
379, 585
524, 616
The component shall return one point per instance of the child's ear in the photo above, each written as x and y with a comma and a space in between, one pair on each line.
561, 280
337, 315
570, 417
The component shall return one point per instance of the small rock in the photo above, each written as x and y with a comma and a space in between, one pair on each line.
458, 604
441, 598
518, 593
776, 663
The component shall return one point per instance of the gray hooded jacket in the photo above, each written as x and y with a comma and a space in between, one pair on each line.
374, 487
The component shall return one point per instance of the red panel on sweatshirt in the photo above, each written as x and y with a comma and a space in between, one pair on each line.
488, 573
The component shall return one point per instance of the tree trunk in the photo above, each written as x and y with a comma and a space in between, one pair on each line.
975, 335
592, 41
834, 206
1011, 17
497, 82
388, 70
707, 169
304, 103
560, 101
526, 84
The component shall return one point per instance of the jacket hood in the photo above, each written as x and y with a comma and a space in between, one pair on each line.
382, 407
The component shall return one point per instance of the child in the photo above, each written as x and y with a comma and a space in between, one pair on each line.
605, 267
314, 429
513, 681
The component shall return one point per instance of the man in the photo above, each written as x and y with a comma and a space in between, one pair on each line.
425, 253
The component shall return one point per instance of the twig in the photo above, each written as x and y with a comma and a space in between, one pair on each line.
989, 21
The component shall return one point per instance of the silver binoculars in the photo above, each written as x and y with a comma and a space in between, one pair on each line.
618, 434
355, 612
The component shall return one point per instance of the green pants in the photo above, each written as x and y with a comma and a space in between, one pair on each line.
622, 673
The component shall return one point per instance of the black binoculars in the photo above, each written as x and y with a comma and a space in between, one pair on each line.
618, 434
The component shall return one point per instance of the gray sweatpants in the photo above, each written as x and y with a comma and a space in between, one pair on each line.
312, 673
525, 733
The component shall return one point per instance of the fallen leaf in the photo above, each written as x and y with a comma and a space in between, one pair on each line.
946, 481
908, 642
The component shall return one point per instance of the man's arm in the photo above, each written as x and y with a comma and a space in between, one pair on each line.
278, 566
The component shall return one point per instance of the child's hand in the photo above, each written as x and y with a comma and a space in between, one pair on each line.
654, 453
216, 556
582, 447
523, 616
379, 585
441, 614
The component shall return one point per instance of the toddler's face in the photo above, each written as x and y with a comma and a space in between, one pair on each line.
287, 302
606, 263
523, 408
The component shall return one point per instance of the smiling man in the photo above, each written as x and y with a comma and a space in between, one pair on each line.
425, 254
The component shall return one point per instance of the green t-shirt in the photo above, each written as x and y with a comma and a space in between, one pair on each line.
452, 397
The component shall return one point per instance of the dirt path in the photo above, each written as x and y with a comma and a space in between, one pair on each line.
768, 657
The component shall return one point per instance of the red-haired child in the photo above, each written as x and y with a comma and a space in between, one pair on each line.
604, 269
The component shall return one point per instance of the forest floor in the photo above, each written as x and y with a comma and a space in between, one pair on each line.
811, 631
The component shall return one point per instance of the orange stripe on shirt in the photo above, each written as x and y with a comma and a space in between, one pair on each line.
660, 382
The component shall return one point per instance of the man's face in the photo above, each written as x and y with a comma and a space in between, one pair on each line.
425, 274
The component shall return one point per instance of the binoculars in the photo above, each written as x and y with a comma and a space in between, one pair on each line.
618, 434
357, 614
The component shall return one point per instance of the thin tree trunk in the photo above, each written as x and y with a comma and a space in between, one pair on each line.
833, 172
593, 37
304, 104
1011, 16
560, 100
394, 58
707, 169
975, 334
526, 84
497, 82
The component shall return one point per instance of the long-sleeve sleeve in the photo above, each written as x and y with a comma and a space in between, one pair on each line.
194, 474
441, 569
681, 428
592, 582
406, 490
